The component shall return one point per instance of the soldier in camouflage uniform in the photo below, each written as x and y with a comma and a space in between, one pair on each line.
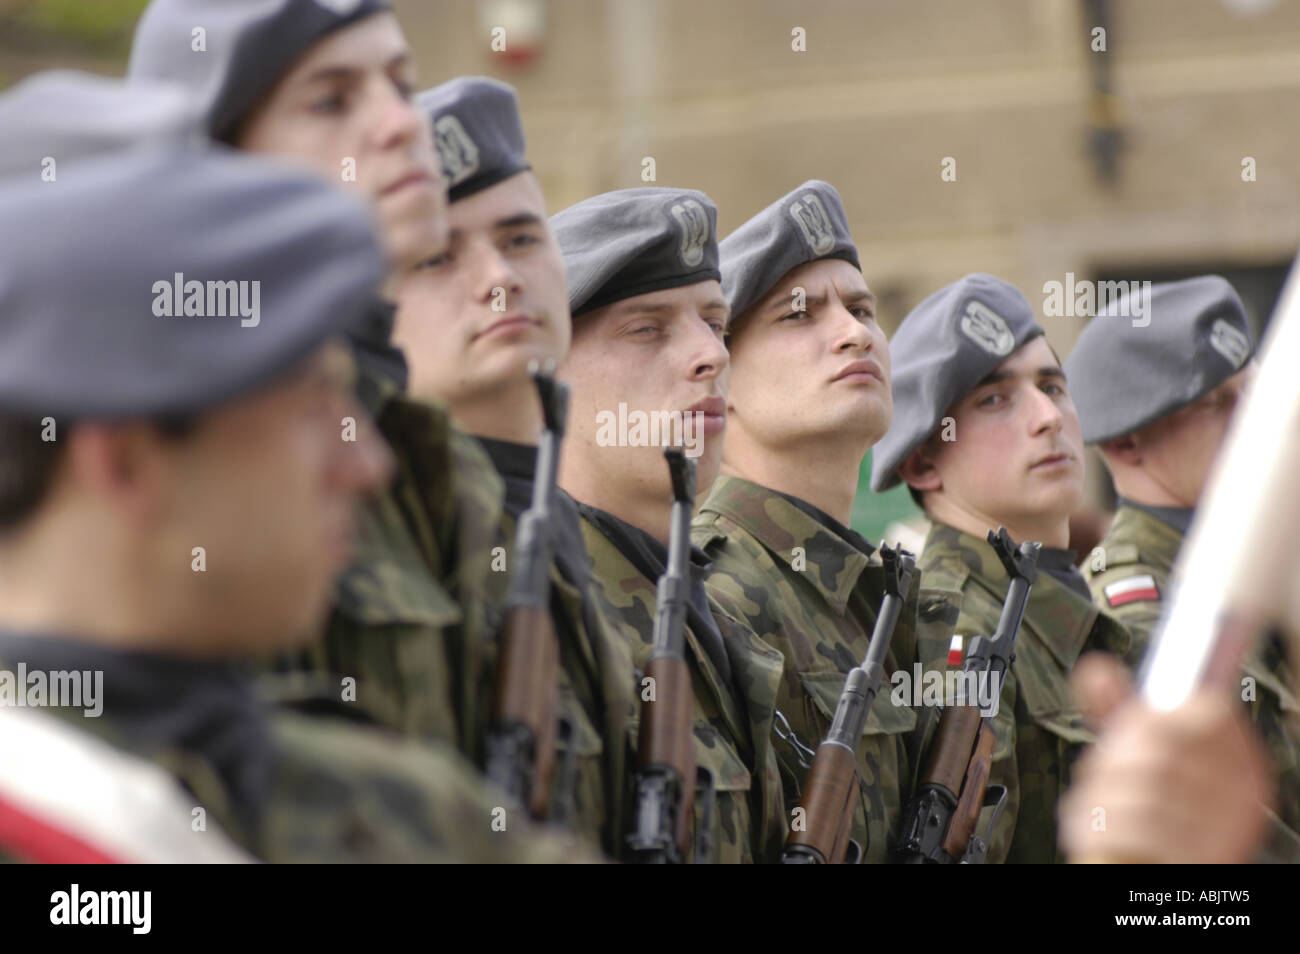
1157, 399
198, 481
810, 380
985, 434
470, 321
412, 617
649, 321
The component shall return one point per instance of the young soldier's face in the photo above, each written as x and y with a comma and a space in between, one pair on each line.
268, 486
820, 370
344, 112
662, 351
1017, 456
1178, 450
471, 318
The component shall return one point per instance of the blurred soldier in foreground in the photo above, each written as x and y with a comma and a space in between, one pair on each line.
470, 321
1158, 399
328, 87
179, 494
985, 434
810, 382
1188, 786
649, 322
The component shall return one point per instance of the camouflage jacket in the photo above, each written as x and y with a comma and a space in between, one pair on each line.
412, 618
418, 614
733, 719
813, 596
1038, 726
286, 787
1130, 576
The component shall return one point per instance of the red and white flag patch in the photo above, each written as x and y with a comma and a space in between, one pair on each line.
1132, 590
954, 651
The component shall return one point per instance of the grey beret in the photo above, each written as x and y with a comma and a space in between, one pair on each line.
1125, 375
69, 116
806, 225
945, 346
205, 275
477, 130
248, 46
627, 243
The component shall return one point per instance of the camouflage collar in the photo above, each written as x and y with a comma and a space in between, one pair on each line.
651, 557
1058, 617
1136, 536
831, 563
616, 572
1177, 518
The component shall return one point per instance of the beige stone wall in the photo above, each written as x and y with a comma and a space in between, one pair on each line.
887, 88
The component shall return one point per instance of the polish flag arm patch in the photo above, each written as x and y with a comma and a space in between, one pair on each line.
1131, 590
954, 651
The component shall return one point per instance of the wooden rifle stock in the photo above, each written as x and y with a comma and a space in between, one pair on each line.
520, 748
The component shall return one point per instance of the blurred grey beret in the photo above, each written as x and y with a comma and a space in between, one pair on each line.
806, 225
247, 46
69, 116
627, 243
206, 274
477, 130
945, 346
1124, 375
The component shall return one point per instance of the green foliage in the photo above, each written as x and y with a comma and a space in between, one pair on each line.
873, 512
90, 22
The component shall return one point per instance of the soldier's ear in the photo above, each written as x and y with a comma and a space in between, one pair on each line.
918, 470
1126, 449
125, 466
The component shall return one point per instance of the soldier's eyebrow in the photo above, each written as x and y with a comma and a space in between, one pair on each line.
645, 308
343, 71
518, 220
716, 305
997, 377
855, 297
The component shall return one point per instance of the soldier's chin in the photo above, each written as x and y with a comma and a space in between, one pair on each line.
1061, 499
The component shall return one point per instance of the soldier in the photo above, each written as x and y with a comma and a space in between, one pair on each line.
1157, 400
1189, 786
471, 320
328, 86
649, 321
177, 496
985, 434
810, 382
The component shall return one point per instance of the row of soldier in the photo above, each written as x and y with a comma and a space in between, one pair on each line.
367, 578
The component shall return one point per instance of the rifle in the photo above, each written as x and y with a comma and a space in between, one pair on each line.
938, 826
666, 773
831, 790
521, 741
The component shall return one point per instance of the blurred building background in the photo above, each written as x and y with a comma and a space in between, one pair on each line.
1162, 147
